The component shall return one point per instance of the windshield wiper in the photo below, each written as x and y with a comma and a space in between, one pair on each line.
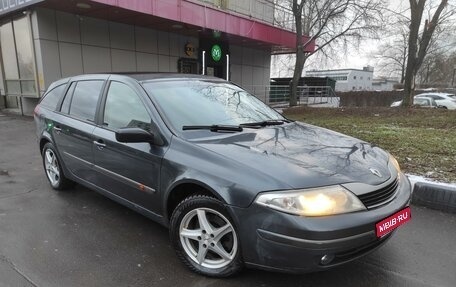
214, 128
264, 123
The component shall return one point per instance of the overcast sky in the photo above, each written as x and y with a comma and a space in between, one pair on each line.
353, 57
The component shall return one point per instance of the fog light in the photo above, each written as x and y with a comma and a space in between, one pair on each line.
326, 259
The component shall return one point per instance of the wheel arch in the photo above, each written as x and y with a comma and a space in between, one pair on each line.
183, 189
44, 140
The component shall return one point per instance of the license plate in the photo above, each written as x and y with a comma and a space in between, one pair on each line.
392, 222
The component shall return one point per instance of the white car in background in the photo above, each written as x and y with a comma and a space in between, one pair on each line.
444, 100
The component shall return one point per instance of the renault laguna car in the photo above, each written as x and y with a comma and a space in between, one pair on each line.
236, 183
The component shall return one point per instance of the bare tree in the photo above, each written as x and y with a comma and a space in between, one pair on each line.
437, 71
329, 22
420, 36
391, 54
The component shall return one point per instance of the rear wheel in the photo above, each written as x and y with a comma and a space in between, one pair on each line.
53, 168
205, 238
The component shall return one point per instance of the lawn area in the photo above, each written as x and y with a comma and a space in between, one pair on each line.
422, 140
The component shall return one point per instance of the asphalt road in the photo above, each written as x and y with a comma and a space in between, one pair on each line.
79, 238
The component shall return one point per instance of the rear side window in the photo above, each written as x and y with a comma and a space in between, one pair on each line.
85, 98
51, 99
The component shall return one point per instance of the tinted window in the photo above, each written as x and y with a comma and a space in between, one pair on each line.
51, 99
66, 102
124, 108
85, 98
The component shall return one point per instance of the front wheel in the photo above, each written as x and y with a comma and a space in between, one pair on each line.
205, 238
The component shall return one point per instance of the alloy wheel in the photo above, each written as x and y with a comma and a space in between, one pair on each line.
52, 167
208, 238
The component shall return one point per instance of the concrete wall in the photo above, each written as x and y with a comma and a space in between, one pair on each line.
2, 89
385, 85
250, 68
356, 80
68, 45
258, 9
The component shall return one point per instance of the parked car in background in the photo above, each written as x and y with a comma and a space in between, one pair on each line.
423, 102
236, 183
442, 100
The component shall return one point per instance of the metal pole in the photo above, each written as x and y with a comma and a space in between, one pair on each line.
204, 63
452, 81
227, 67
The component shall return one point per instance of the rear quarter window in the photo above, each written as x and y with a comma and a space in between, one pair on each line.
52, 97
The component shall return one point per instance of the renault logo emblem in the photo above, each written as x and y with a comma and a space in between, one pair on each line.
375, 172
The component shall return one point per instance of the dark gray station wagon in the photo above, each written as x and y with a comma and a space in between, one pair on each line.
236, 182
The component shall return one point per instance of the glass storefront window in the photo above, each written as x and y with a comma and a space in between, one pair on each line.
18, 61
13, 87
8, 51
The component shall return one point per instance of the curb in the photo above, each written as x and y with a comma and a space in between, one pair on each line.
435, 196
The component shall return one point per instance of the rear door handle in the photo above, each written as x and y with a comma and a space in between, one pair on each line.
57, 129
100, 144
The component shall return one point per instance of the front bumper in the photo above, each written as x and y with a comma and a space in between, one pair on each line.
278, 241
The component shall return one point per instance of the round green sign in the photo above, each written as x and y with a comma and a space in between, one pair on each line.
216, 53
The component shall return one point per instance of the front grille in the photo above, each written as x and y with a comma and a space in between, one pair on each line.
380, 196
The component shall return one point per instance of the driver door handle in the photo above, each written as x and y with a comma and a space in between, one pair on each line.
100, 144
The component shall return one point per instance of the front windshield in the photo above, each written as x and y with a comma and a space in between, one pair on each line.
204, 103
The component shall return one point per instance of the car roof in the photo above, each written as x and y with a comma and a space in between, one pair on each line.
435, 94
157, 76
151, 76
139, 77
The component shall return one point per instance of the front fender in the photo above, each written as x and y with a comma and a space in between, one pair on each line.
230, 181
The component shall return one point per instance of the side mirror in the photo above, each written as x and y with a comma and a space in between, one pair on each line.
134, 135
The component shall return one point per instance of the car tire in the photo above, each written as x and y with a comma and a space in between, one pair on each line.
53, 168
205, 238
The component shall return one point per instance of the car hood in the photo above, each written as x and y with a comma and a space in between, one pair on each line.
302, 155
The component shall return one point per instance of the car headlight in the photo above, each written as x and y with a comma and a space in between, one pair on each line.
312, 202
395, 163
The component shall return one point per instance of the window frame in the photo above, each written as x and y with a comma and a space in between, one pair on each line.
101, 111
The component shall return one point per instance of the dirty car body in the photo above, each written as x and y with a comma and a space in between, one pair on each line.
277, 194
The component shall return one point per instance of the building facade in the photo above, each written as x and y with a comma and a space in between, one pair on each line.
45, 40
347, 79
384, 84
